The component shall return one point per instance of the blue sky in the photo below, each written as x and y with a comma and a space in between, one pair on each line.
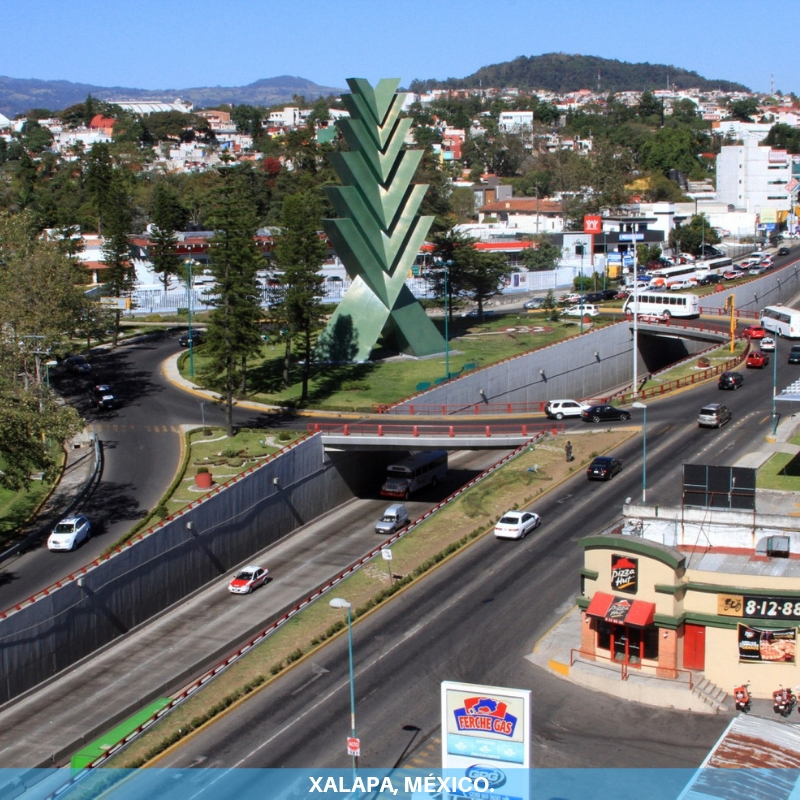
173, 44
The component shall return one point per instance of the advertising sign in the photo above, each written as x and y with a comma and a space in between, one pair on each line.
624, 573
776, 645
592, 224
768, 215
486, 732
778, 156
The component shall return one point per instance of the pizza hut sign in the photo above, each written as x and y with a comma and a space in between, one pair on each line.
624, 574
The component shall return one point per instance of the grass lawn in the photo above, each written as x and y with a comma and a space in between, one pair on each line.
356, 387
781, 472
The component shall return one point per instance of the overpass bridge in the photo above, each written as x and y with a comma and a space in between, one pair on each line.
409, 435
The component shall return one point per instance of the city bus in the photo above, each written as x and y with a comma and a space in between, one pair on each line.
415, 472
782, 321
667, 304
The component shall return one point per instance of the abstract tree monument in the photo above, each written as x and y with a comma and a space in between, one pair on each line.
378, 231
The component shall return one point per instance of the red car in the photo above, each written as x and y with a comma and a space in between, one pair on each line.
754, 332
757, 359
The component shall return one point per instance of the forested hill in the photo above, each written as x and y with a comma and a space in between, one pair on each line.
562, 73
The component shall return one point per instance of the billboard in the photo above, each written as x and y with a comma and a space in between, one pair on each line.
592, 224
486, 732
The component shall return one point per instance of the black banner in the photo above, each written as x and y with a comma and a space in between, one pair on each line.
767, 646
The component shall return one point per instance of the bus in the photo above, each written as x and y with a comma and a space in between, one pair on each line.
715, 266
663, 278
668, 304
415, 472
782, 321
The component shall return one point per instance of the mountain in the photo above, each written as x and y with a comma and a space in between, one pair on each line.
562, 73
18, 95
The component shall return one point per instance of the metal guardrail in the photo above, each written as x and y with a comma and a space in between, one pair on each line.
576, 654
444, 431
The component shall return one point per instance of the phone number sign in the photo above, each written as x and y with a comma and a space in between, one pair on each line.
759, 607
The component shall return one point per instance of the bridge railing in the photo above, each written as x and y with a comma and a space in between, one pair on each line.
445, 431
476, 409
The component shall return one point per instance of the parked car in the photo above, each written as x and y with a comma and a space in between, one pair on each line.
604, 413
394, 518
582, 311
247, 579
714, 415
534, 304
603, 468
707, 280
611, 294
754, 332
756, 360
569, 299
730, 380
69, 533
78, 365
794, 354
194, 336
102, 397
783, 251
558, 409
734, 274
768, 344
516, 524
593, 297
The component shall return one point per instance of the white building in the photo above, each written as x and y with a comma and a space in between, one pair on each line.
754, 178
515, 121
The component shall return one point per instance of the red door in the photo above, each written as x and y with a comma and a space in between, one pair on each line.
694, 646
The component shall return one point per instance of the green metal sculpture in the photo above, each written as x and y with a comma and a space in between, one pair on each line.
378, 232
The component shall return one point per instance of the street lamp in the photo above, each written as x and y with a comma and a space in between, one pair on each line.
203, 415
643, 406
774, 390
582, 245
338, 602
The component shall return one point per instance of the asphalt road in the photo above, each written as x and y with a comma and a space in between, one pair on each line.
476, 618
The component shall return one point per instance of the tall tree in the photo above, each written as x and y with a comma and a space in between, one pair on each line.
168, 217
98, 179
233, 330
299, 252
119, 275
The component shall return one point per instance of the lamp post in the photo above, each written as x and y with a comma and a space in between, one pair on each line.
189, 265
582, 246
643, 406
635, 324
338, 602
447, 265
203, 415
774, 390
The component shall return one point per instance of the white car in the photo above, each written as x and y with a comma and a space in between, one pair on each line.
247, 579
582, 311
558, 409
69, 533
768, 344
516, 524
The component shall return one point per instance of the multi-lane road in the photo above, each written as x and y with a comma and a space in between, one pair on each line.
479, 616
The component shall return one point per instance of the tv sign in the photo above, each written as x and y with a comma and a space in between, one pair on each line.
592, 224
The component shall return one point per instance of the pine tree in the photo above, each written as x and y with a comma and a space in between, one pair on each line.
299, 252
233, 331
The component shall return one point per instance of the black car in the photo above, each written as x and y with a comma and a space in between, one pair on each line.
78, 365
783, 251
730, 380
609, 294
593, 297
603, 468
794, 354
102, 397
194, 336
603, 413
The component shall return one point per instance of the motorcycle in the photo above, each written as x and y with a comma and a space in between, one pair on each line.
741, 697
783, 701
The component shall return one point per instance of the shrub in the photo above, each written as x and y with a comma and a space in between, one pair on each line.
356, 386
284, 436
202, 470
162, 512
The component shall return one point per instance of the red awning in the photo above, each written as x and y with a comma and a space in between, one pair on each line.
621, 610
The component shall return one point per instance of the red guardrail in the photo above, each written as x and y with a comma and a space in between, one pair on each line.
442, 409
444, 431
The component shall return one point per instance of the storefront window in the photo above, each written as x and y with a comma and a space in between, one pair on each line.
650, 642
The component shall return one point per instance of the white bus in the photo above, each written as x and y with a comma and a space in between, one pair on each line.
667, 304
782, 321
415, 472
665, 277
715, 266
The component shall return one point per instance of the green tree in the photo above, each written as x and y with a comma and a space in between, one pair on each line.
784, 136
650, 108
541, 255
34, 137
233, 330
485, 273
98, 180
743, 110
119, 275
690, 238
299, 251
550, 306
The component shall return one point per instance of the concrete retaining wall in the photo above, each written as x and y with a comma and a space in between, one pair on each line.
196, 547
